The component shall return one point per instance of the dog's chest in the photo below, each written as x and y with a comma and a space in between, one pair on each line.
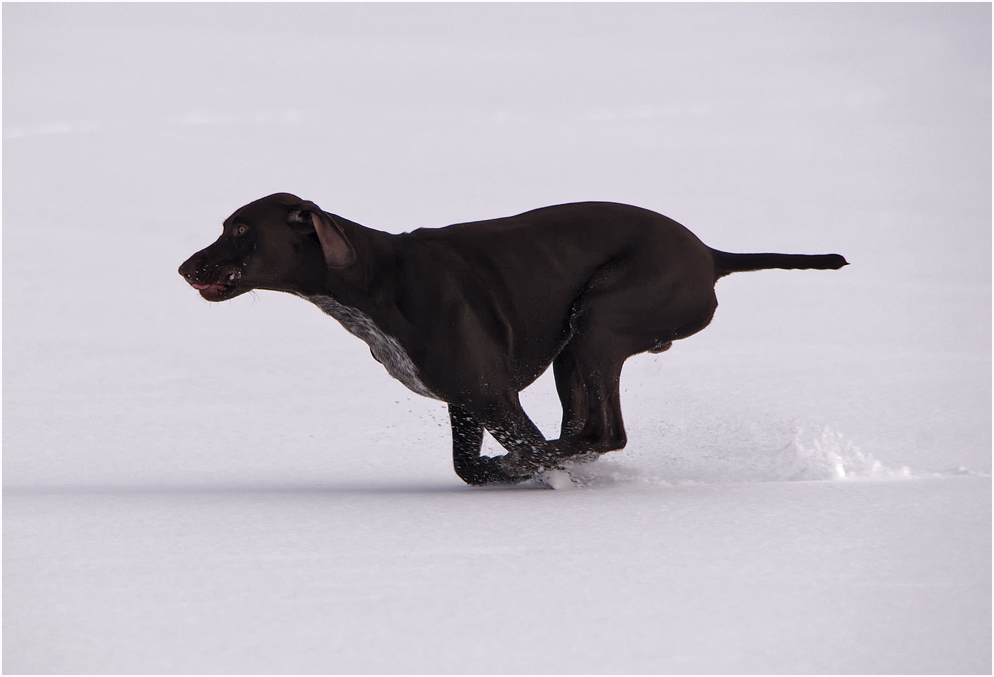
384, 347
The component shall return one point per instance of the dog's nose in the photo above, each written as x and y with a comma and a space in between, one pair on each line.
189, 268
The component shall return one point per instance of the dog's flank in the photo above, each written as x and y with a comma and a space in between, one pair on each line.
471, 314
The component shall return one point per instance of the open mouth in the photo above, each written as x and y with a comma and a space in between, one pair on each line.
218, 291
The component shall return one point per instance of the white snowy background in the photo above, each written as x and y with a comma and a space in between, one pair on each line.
239, 487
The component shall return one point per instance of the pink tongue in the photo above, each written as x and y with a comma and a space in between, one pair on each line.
201, 286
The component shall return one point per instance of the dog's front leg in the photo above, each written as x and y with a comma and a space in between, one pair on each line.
467, 439
528, 452
527, 449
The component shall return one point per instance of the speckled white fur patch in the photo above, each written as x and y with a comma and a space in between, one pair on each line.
384, 347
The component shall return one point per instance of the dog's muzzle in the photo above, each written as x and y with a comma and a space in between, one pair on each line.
213, 285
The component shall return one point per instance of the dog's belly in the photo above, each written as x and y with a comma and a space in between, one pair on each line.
385, 348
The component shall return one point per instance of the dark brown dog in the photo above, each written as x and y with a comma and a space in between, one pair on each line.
473, 313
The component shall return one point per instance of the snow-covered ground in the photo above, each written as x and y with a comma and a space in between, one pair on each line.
239, 487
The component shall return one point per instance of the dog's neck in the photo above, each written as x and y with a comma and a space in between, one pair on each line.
375, 258
360, 298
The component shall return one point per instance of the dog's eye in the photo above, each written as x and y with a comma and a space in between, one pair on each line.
241, 229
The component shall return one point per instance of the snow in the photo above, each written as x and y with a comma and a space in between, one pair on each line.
430, 577
240, 487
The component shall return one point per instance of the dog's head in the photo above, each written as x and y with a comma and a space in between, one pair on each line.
272, 243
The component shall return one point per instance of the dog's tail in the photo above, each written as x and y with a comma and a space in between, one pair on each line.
725, 263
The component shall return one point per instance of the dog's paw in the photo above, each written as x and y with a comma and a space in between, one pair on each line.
487, 471
512, 464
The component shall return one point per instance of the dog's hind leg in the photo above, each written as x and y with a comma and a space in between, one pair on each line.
467, 439
588, 380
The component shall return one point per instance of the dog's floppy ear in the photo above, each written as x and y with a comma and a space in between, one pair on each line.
338, 253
